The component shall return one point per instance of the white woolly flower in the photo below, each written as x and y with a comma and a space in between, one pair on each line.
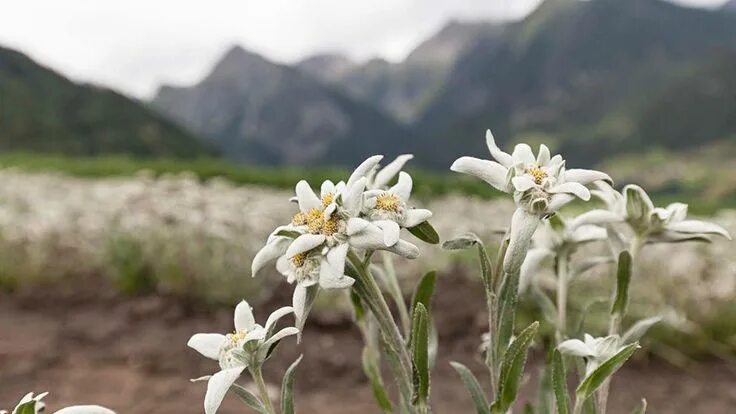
34, 403
652, 224
379, 178
559, 236
595, 351
389, 210
248, 346
540, 185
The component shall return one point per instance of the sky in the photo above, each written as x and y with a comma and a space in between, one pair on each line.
134, 46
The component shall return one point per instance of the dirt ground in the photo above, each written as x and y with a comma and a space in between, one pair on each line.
85, 343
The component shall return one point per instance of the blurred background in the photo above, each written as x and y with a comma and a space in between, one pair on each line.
148, 148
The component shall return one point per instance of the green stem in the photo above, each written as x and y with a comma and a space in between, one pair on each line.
257, 375
578, 408
395, 288
562, 283
389, 329
614, 327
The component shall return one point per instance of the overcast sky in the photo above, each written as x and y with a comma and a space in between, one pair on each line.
135, 45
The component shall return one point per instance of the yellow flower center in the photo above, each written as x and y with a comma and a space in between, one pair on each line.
331, 226
538, 174
237, 336
299, 259
388, 202
327, 199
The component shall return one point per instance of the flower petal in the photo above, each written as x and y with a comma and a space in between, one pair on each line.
363, 169
356, 225
403, 187
304, 243
678, 212
558, 201
575, 347
279, 336
306, 197
243, 317
585, 177
502, 157
341, 282
388, 172
637, 202
523, 154
274, 249
589, 233
697, 226
328, 187
256, 333
218, 386
404, 249
276, 315
302, 302
207, 344
597, 216
531, 266
577, 189
523, 225
416, 216
523, 183
85, 409
543, 156
391, 231
353, 198
332, 264
491, 172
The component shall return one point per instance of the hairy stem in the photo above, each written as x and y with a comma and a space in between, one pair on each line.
257, 375
562, 282
395, 288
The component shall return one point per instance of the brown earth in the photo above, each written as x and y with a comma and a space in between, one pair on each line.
86, 343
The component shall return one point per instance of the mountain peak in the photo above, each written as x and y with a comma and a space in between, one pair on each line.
237, 61
326, 66
449, 41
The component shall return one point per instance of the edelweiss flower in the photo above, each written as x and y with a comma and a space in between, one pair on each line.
248, 346
36, 405
312, 249
595, 351
388, 209
540, 185
559, 236
379, 179
651, 224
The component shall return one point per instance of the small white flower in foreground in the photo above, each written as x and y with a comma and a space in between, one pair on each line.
651, 224
35, 404
595, 351
540, 185
248, 346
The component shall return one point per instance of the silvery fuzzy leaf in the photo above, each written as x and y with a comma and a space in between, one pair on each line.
473, 387
387, 173
248, 398
639, 329
596, 378
502, 157
597, 216
491, 172
462, 242
287, 388
698, 227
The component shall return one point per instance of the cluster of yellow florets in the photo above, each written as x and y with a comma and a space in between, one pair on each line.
299, 259
315, 221
537, 173
388, 202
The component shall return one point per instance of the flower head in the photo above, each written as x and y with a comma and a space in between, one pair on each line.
595, 351
248, 345
540, 185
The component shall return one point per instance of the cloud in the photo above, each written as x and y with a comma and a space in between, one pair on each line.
136, 45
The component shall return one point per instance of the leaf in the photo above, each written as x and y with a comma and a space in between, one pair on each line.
512, 367
506, 311
425, 232
591, 383
462, 242
420, 353
288, 233
424, 291
374, 375
623, 277
639, 329
358, 309
472, 385
559, 383
27, 408
287, 388
641, 408
249, 399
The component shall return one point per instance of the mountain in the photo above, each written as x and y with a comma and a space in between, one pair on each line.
258, 111
730, 5
575, 73
40, 110
326, 67
402, 89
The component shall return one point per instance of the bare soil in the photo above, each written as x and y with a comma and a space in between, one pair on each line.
88, 344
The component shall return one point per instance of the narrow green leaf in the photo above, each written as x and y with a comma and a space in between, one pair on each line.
424, 291
485, 268
27, 408
420, 353
623, 277
559, 383
370, 366
506, 312
640, 328
462, 242
249, 399
512, 366
591, 383
472, 385
425, 232
358, 309
288, 233
287, 388
642, 408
